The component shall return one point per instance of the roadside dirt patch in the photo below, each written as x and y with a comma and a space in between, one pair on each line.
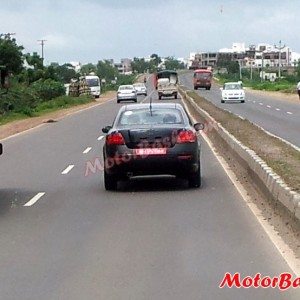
282, 158
276, 95
22, 125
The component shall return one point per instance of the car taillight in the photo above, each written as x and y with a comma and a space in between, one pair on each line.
186, 136
115, 138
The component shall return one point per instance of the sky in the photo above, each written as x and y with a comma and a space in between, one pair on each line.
91, 30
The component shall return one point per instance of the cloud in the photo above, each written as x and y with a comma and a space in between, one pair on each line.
89, 30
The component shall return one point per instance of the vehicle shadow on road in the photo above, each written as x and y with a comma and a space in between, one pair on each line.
11, 198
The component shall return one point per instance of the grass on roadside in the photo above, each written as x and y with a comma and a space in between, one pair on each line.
58, 103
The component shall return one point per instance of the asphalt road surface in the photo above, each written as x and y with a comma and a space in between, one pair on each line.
277, 116
153, 239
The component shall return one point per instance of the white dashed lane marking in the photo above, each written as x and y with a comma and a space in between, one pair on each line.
269, 106
100, 137
67, 170
288, 112
278, 109
87, 150
34, 199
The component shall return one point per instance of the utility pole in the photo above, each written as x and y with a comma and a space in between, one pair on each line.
251, 71
262, 67
279, 58
42, 43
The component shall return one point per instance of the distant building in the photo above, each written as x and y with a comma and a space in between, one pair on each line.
124, 67
253, 56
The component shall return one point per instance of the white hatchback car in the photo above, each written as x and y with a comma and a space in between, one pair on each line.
232, 91
126, 92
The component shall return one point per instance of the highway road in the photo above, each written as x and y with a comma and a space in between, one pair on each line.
277, 116
62, 236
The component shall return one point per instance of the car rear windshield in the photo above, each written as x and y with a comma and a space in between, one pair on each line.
232, 86
125, 87
155, 116
202, 75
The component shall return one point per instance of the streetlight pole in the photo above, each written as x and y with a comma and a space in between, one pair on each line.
42, 43
279, 58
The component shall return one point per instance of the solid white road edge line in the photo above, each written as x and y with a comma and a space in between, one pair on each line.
67, 170
285, 251
34, 199
87, 150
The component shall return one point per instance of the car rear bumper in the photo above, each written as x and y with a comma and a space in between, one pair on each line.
120, 98
167, 93
179, 163
136, 166
241, 98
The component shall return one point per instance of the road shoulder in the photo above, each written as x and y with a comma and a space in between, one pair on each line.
19, 126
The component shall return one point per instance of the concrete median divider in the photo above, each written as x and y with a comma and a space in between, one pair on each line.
263, 175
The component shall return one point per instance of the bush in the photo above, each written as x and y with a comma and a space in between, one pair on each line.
48, 89
18, 99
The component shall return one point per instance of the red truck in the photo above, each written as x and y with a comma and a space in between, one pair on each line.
202, 79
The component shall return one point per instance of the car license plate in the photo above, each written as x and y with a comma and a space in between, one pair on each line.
150, 151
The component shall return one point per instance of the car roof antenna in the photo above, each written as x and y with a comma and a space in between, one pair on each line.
151, 106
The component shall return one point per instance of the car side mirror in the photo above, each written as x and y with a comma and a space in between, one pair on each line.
1, 149
221, 89
106, 129
199, 126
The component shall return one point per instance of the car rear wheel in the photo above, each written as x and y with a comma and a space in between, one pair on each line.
175, 96
243, 101
159, 97
118, 101
110, 182
222, 101
195, 179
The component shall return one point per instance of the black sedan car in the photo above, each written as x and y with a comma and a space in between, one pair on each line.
151, 139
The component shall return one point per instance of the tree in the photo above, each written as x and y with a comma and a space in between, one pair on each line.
298, 68
88, 68
155, 59
11, 57
105, 70
34, 60
64, 73
173, 64
139, 65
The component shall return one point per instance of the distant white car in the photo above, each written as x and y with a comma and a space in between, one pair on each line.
126, 92
233, 91
140, 88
